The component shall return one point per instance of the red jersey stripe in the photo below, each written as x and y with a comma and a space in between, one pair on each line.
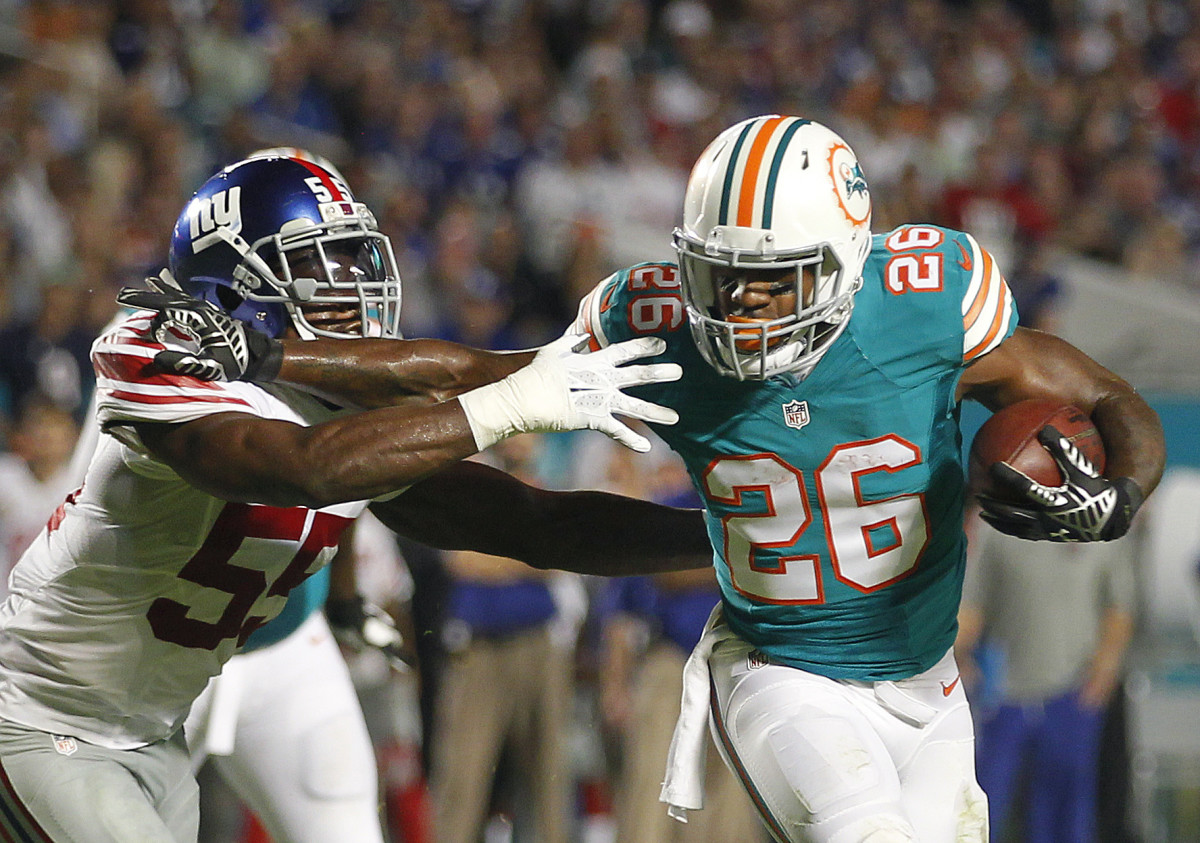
138, 370
139, 398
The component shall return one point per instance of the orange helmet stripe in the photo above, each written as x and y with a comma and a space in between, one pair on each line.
745, 213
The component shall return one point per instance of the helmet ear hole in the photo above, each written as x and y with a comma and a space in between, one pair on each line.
230, 301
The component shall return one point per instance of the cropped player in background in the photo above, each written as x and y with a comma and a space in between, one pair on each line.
34, 475
205, 503
823, 368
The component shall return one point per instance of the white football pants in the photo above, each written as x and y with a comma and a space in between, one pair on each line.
284, 728
836, 761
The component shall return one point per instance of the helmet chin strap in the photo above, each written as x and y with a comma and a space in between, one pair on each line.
252, 266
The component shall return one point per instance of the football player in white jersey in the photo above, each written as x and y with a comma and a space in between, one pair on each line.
206, 502
282, 723
823, 368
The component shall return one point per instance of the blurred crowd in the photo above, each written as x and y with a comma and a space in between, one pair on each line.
518, 151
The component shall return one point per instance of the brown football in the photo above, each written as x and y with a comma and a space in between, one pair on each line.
1010, 436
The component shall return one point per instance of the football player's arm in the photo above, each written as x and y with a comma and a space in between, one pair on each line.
1107, 663
356, 623
470, 506
970, 630
1033, 364
242, 457
364, 455
371, 373
622, 638
366, 373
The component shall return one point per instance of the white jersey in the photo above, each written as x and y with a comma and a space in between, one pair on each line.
141, 586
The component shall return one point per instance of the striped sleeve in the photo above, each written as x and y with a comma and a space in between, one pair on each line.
588, 320
129, 389
989, 314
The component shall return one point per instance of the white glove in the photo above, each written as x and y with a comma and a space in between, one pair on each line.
564, 389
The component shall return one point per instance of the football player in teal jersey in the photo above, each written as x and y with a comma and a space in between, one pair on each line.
823, 371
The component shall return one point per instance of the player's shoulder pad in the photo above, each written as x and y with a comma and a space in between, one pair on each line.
641, 300
946, 273
926, 259
130, 387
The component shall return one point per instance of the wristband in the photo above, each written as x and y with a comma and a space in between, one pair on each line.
1133, 493
265, 358
525, 401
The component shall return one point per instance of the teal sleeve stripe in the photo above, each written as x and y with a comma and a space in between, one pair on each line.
773, 175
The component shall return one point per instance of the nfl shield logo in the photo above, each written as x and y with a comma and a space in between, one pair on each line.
795, 414
65, 744
757, 659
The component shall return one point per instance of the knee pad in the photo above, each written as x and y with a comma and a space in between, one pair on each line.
972, 821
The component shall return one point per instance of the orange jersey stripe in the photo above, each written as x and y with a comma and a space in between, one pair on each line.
982, 295
997, 316
745, 214
986, 342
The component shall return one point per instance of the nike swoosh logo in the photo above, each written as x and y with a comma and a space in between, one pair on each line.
606, 302
966, 262
947, 690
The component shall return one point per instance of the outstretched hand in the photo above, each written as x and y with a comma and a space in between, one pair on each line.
594, 382
566, 388
1086, 507
200, 340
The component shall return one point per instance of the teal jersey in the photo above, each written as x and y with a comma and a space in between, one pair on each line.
834, 503
306, 598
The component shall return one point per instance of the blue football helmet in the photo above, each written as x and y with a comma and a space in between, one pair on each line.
277, 240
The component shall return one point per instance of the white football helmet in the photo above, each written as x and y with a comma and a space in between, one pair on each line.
774, 192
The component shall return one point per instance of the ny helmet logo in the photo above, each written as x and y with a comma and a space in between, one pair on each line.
208, 213
795, 414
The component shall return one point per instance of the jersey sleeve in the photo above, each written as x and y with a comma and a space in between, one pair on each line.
988, 310
642, 300
130, 389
